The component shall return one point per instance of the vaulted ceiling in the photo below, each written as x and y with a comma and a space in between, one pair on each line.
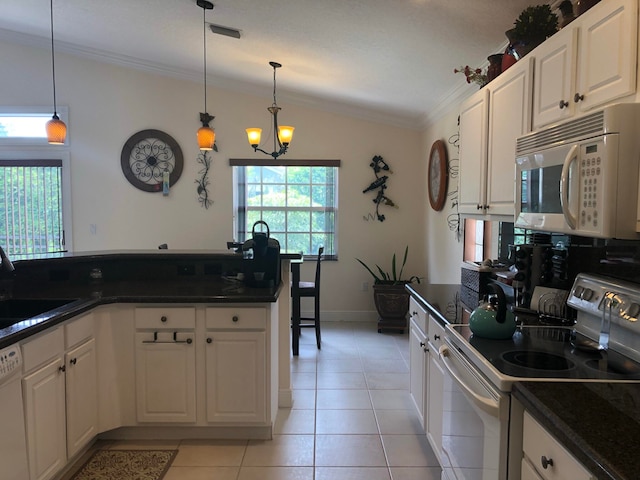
390, 59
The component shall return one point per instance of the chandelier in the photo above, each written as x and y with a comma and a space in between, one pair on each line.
206, 134
56, 128
282, 135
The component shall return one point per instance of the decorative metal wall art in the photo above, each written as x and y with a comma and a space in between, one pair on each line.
152, 161
453, 219
204, 159
380, 184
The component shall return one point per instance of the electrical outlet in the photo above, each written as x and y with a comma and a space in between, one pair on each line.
365, 286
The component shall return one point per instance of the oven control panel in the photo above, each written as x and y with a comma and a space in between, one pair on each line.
599, 295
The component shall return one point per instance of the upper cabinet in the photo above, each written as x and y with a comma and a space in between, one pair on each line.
490, 122
589, 63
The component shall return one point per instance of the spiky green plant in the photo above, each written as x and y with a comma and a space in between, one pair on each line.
393, 277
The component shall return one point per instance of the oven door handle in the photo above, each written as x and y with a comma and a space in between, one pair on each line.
486, 404
572, 156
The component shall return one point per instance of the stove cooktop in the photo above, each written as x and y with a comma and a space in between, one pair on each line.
543, 353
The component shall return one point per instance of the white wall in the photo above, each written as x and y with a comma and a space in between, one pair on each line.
107, 104
443, 246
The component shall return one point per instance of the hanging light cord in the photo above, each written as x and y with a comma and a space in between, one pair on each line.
274, 87
204, 42
53, 65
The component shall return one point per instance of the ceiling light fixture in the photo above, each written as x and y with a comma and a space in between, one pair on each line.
56, 129
282, 135
206, 134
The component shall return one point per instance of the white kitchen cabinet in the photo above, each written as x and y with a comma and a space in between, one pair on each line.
236, 365
490, 122
165, 365
435, 388
43, 389
81, 396
544, 458
587, 64
418, 358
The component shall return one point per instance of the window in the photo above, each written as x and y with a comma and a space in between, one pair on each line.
31, 202
34, 184
298, 202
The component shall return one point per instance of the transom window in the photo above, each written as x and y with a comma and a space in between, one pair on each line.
298, 202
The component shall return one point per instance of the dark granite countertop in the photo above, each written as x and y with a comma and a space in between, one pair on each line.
599, 423
441, 300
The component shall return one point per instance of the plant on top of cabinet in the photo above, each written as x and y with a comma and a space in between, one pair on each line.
535, 24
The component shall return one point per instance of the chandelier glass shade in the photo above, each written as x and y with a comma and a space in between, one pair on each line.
206, 135
55, 128
282, 134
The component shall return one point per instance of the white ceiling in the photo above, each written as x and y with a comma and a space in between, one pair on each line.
390, 59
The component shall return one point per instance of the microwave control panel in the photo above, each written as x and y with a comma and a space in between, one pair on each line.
591, 187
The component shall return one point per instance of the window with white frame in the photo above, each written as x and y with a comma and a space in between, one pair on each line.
34, 182
297, 200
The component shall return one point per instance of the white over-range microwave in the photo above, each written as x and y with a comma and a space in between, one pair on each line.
581, 177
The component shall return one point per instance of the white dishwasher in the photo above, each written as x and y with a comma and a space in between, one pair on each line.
13, 444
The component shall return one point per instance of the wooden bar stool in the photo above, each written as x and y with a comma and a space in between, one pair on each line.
309, 290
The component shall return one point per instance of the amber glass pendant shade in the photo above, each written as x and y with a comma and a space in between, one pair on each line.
285, 134
254, 135
206, 138
56, 131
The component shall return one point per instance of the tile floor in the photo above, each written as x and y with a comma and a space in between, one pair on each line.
352, 419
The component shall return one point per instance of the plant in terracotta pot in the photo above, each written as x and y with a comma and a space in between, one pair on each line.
533, 26
389, 295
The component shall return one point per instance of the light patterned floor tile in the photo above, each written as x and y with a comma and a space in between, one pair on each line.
295, 421
391, 400
210, 453
345, 399
416, 473
349, 451
352, 473
303, 380
281, 451
276, 473
387, 381
303, 399
202, 473
404, 422
338, 380
354, 422
409, 451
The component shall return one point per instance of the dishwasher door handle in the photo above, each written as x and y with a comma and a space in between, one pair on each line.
486, 404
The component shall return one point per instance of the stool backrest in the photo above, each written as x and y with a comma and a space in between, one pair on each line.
320, 252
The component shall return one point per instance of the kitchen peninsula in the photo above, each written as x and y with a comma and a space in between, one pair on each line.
160, 344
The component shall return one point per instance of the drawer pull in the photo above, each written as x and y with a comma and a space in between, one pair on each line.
436, 337
209, 340
546, 462
62, 368
188, 341
163, 319
235, 318
422, 344
73, 361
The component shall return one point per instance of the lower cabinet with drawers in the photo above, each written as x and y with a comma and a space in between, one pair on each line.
228, 348
544, 458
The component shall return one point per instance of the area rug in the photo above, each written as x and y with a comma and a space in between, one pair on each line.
126, 465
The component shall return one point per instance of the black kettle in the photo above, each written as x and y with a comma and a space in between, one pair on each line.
260, 241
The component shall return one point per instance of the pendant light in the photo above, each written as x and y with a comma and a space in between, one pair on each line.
282, 135
206, 134
56, 129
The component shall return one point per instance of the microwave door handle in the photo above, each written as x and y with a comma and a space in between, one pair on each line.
571, 220
486, 404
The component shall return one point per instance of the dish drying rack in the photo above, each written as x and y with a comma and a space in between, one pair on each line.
552, 309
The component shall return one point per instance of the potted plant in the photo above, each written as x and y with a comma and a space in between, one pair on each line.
532, 27
389, 295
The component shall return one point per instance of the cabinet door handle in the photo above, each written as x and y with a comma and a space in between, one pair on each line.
478, 207
546, 462
563, 104
436, 337
235, 319
209, 340
73, 361
163, 319
578, 98
422, 344
62, 368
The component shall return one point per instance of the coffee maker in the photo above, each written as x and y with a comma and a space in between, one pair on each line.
262, 261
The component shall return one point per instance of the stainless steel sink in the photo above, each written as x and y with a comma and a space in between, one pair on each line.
15, 310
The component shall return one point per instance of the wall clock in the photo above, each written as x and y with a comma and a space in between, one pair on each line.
437, 175
148, 156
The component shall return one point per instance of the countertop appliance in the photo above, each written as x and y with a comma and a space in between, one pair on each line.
581, 177
602, 346
13, 444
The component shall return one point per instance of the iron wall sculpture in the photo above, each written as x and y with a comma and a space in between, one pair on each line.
380, 184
